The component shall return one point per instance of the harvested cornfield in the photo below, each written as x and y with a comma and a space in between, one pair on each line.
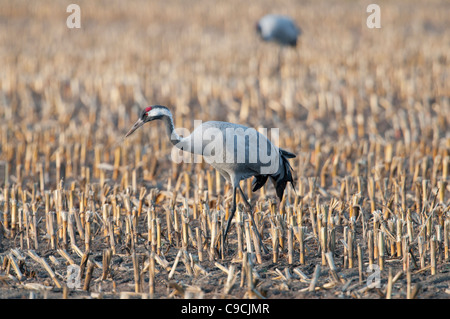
86, 213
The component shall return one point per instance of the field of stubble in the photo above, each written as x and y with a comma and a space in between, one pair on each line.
367, 111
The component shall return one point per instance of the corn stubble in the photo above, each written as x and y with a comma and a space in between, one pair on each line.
369, 125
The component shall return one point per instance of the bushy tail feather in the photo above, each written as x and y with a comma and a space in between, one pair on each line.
279, 179
287, 154
259, 182
284, 175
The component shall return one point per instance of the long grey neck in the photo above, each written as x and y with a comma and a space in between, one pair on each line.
175, 139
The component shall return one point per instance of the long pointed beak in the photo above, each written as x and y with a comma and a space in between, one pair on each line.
136, 125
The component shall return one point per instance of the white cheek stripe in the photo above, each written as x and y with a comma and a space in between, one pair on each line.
156, 112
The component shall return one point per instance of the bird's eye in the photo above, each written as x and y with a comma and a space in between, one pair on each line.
143, 115
145, 112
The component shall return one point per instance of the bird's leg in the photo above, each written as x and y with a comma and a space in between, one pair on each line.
245, 199
280, 66
276, 67
253, 221
280, 50
233, 210
298, 57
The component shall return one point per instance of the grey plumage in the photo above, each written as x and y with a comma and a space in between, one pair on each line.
278, 28
236, 151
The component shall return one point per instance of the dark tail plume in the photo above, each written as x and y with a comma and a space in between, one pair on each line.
280, 178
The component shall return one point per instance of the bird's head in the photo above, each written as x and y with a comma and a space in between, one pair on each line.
258, 28
150, 113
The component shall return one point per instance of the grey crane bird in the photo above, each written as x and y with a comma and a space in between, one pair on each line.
278, 28
236, 151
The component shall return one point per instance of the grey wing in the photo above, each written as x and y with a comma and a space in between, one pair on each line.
254, 153
233, 149
286, 30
